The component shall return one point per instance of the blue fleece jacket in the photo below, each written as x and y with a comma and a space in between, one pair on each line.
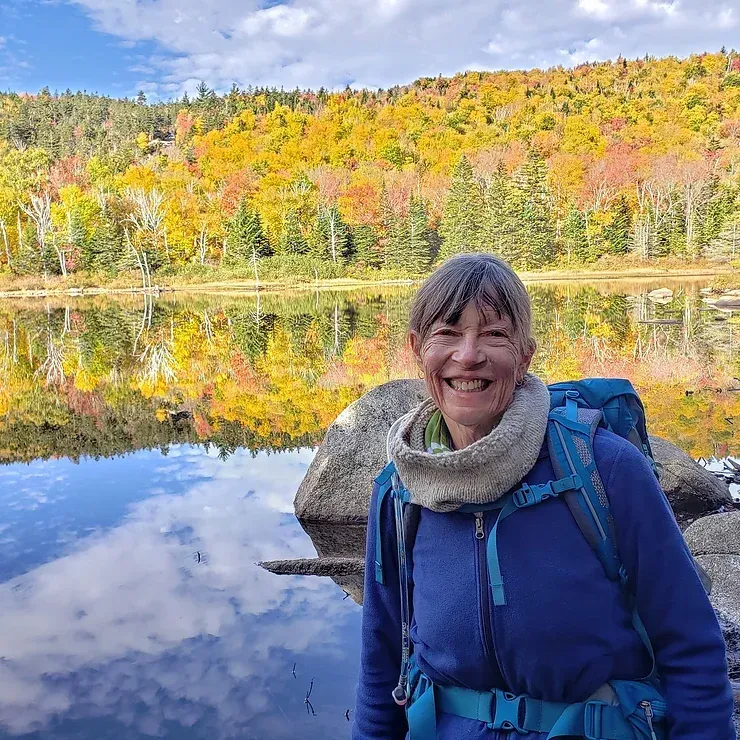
565, 629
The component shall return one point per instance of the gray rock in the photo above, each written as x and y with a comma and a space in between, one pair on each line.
347, 573
316, 567
724, 570
731, 633
692, 491
728, 302
718, 534
338, 484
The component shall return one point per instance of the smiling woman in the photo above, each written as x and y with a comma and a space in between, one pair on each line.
576, 645
471, 334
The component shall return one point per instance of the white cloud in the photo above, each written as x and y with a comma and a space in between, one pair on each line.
310, 43
129, 618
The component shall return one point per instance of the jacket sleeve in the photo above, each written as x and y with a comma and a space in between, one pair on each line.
376, 714
682, 626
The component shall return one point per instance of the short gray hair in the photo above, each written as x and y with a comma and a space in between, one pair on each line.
487, 281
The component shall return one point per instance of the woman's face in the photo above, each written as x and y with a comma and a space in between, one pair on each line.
471, 369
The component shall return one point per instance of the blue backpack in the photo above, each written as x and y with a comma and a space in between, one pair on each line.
577, 410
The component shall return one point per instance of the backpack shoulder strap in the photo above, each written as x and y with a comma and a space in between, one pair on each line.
411, 516
384, 481
570, 434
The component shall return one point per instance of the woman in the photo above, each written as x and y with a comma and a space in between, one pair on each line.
565, 629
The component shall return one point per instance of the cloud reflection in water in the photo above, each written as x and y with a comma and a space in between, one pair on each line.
128, 635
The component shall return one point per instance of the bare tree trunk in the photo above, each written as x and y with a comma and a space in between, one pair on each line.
138, 257
203, 244
146, 267
5, 241
254, 263
166, 245
60, 256
20, 232
40, 213
333, 234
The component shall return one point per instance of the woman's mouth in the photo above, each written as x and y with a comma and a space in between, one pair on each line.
468, 386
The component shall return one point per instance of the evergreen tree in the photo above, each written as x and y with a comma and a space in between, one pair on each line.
292, 239
617, 233
367, 246
574, 236
245, 238
104, 251
499, 227
29, 259
725, 247
717, 209
536, 228
418, 253
77, 240
392, 237
463, 212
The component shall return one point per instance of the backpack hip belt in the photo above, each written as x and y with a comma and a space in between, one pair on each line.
500, 710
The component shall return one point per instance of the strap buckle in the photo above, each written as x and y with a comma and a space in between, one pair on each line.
593, 720
506, 710
530, 495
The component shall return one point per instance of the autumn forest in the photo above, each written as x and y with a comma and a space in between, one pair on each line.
630, 158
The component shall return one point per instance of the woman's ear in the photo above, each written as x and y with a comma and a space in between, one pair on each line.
524, 362
415, 343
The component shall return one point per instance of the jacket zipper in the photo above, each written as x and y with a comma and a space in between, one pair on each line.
647, 707
480, 542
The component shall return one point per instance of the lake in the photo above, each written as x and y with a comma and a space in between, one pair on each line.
151, 450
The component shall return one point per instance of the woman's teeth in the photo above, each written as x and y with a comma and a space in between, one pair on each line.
468, 385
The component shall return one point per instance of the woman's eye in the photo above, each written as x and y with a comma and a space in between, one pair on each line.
495, 333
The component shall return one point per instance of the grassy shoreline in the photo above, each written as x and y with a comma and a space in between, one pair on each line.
56, 286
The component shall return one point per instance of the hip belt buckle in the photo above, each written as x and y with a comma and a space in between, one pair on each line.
508, 709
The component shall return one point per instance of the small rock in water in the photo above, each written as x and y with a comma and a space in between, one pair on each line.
660, 295
735, 492
728, 302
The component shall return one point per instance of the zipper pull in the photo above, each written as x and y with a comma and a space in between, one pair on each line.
480, 533
648, 709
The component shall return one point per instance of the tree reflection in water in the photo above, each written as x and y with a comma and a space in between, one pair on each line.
103, 377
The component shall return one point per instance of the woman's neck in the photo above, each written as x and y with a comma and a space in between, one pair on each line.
463, 436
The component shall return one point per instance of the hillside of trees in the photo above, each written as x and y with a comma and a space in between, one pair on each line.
637, 158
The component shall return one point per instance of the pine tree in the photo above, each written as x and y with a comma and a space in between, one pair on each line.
717, 208
418, 253
105, 250
245, 238
292, 239
463, 212
367, 246
29, 259
536, 228
498, 233
574, 236
617, 233
725, 247
392, 235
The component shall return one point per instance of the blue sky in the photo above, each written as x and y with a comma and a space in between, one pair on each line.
56, 44
166, 47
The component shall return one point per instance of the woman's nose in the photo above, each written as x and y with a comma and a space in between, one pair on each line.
468, 351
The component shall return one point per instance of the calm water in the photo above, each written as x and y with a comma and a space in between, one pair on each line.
151, 452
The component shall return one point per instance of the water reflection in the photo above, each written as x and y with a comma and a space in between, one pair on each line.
125, 634
132, 606
101, 377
